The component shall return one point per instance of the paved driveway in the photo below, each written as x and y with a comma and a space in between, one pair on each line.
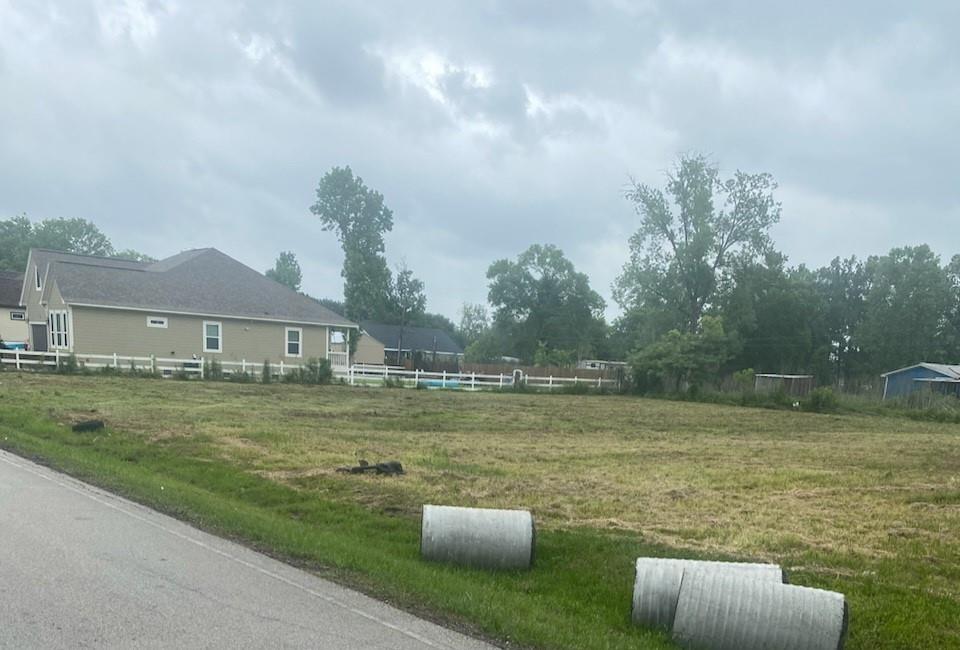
82, 568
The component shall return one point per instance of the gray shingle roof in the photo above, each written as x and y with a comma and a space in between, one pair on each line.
11, 283
203, 282
426, 339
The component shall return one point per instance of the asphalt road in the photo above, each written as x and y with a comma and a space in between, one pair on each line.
83, 568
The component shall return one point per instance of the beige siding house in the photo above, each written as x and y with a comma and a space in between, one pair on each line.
197, 304
13, 318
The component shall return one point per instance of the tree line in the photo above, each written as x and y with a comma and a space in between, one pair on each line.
703, 294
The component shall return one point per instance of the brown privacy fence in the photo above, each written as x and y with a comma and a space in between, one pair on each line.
538, 371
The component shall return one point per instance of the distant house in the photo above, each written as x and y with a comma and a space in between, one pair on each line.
13, 318
405, 343
199, 303
939, 377
599, 364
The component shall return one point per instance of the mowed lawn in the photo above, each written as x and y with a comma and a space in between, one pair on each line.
866, 505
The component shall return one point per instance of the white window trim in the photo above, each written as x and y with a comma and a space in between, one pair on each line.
219, 335
66, 329
18, 315
162, 325
286, 342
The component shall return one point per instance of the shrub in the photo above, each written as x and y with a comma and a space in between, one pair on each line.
68, 365
313, 371
213, 370
266, 376
820, 400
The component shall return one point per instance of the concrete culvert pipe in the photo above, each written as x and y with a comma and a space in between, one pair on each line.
656, 587
732, 612
478, 537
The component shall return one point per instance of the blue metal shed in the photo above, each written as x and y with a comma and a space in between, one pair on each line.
904, 381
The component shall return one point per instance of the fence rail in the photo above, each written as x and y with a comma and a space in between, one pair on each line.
358, 374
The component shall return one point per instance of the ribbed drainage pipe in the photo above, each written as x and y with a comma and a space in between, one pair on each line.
722, 611
656, 587
478, 537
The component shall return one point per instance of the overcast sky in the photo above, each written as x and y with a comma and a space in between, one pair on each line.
488, 126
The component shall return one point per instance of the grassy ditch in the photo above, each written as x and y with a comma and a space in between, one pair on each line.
864, 505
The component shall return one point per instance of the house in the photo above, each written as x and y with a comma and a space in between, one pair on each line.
13, 319
403, 343
198, 303
940, 377
599, 364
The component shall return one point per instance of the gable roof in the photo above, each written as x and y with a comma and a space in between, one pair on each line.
11, 284
947, 370
203, 281
426, 339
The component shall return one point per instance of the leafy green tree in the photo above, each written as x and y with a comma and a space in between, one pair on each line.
541, 299
359, 217
407, 298
677, 256
18, 235
286, 271
908, 299
842, 286
680, 360
474, 321
133, 255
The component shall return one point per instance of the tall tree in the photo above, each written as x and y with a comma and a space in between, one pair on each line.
541, 299
359, 217
677, 256
908, 298
474, 321
842, 286
407, 297
286, 270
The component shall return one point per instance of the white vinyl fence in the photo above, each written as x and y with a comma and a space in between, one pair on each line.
360, 374
356, 375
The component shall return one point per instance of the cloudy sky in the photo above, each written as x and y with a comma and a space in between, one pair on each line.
488, 126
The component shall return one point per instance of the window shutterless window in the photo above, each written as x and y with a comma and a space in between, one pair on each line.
212, 336
157, 321
18, 315
294, 341
57, 326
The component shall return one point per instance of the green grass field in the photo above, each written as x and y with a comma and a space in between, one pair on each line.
866, 505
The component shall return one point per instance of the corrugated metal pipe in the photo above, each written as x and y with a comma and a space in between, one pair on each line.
656, 588
478, 537
726, 611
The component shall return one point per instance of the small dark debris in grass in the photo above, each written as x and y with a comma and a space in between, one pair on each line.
85, 426
390, 468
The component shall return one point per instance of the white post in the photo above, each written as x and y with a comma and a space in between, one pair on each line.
384, 372
443, 382
58, 359
202, 364
501, 380
600, 381
243, 366
416, 376
550, 382
473, 380
281, 367
17, 355
116, 363
153, 363
346, 342
575, 380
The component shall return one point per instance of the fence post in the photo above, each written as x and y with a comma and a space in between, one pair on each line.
243, 366
58, 359
281, 367
203, 363
501, 380
443, 382
600, 381
416, 376
385, 377
116, 362
550, 382
17, 355
473, 380
153, 364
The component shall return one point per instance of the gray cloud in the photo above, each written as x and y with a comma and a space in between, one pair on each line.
488, 126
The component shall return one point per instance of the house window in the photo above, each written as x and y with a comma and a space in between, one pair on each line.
294, 341
212, 336
157, 321
57, 325
18, 315
36, 272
